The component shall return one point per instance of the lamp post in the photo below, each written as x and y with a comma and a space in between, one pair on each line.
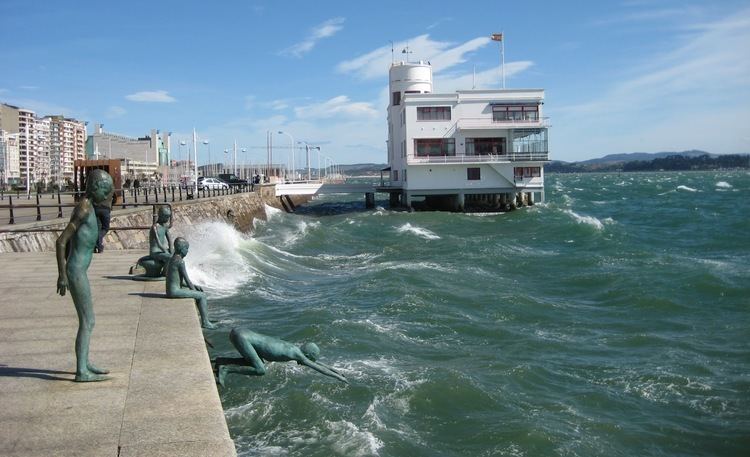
208, 165
182, 159
291, 138
244, 160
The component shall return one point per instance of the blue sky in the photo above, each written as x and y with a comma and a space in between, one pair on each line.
633, 75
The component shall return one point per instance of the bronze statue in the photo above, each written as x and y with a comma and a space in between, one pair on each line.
179, 284
159, 247
74, 250
255, 348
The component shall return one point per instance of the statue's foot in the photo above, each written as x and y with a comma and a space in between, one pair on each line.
91, 377
209, 325
222, 376
96, 370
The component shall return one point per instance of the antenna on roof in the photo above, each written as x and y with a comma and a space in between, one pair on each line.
393, 57
407, 52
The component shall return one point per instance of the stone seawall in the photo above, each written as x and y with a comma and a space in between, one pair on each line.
245, 207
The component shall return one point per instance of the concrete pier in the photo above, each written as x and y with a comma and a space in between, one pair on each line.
162, 398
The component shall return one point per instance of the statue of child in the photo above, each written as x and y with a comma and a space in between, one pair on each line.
74, 249
179, 284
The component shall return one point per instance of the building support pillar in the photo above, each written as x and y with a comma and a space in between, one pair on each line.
393, 199
460, 201
369, 200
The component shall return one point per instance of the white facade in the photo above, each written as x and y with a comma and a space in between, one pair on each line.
484, 146
67, 144
149, 149
10, 169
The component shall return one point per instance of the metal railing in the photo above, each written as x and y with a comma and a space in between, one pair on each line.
154, 217
29, 212
483, 158
489, 122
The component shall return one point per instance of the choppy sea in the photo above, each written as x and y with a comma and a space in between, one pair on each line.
613, 319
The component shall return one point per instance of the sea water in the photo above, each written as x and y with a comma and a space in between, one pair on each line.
613, 319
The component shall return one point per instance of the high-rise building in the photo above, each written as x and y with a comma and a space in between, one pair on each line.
141, 157
9, 160
67, 144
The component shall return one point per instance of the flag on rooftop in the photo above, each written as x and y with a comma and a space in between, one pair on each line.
497, 37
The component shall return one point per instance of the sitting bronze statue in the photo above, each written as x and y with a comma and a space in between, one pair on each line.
255, 348
179, 284
159, 247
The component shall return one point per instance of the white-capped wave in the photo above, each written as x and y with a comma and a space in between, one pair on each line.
588, 220
348, 439
419, 231
215, 257
272, 212
723, 185
686, 188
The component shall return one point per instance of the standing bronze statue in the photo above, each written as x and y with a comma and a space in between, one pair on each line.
74, 249
159, 247
255, 348
179, 284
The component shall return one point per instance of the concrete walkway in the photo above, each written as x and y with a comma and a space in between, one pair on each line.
162, 400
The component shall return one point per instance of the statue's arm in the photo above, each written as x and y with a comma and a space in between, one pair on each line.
79, 213
184, 276
323, 369
169, 242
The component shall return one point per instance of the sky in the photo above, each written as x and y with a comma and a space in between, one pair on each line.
619, 76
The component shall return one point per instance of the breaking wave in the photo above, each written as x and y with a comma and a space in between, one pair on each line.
419, 231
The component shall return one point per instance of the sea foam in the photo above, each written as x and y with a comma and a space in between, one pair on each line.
686, 188
588, 220
723, 185
419, 231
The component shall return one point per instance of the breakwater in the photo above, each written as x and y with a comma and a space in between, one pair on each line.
240, 210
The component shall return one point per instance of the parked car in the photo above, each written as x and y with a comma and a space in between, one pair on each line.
211, 183
232, 179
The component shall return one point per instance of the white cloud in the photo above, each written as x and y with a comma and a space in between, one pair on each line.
317, 33
28, 87
336, 106
155, 96
115, 112
442, 54
486, 79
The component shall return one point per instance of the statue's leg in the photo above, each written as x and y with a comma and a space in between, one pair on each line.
80, 291
200, 302
250, 357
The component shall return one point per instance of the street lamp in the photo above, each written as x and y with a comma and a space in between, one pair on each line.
291, 138
244, 161
307, 156
208, 143
182, 158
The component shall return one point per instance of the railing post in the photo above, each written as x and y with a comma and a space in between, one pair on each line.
147, 195
179, 189
10, 207
59, 205
38, 209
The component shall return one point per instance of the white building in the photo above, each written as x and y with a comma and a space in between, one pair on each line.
10, 170
468, 149
67, 144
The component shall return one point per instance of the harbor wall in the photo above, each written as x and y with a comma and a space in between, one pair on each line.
238, 209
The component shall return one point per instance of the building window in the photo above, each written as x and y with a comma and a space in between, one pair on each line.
473, 174
520, 112
395, 175
404, 173
527, 172
403, 148
435, 147
530, 140
396, 98
433, 113
485, 146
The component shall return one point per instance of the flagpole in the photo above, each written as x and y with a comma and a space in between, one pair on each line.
502, 55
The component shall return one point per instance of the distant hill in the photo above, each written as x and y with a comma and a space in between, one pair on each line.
642, 161
363, 169
633, 156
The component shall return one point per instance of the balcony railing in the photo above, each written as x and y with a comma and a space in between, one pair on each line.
485, 158
490, 123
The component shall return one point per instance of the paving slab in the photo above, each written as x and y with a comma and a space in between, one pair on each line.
162, 398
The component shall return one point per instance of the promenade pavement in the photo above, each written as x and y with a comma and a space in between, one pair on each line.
162, 398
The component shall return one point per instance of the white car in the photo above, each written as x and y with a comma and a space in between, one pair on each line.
212, 183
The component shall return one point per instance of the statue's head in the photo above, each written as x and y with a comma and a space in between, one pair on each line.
99, 185
181, 246
165, 213
310, 350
